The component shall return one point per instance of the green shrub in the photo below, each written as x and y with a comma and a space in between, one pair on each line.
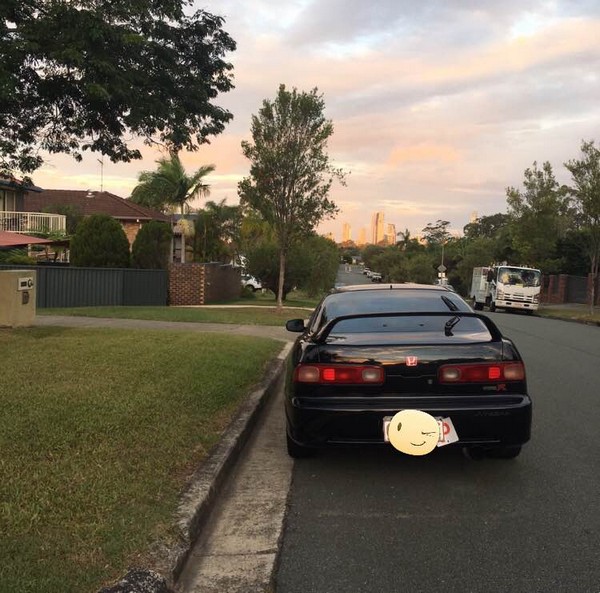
100, 242
151, 249
16, 257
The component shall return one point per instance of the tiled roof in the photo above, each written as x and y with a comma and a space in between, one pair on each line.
18, 184
89, 202
16, 239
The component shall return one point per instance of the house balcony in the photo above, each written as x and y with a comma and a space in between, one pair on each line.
33, 222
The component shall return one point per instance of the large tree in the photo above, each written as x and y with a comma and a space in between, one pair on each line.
290, 172
585, 191
540, 216
81, 75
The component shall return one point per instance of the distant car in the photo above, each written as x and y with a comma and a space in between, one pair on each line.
368, 352
375, 277
251, 282
366, 271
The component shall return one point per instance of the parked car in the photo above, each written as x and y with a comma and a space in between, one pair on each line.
375, 277
370, 351
251, 282
366, 271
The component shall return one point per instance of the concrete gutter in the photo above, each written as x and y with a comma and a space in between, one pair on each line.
199, 497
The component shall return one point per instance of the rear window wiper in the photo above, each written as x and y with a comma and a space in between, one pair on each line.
450, 324
449, 303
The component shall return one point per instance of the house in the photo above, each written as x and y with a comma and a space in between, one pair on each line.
15, 217
132, 216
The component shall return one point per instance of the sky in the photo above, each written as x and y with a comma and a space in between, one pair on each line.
437, 105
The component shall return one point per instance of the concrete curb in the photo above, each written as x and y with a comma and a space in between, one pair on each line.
201, 493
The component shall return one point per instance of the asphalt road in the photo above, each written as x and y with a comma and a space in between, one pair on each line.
377, 520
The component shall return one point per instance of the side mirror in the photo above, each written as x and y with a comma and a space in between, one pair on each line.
295, 325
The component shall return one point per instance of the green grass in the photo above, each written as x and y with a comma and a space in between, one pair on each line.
242, 316
577, 314
99, 431
296, 298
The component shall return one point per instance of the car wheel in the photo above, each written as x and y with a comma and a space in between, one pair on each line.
504, 452
297, 451
492, 306
474, 453
477, 306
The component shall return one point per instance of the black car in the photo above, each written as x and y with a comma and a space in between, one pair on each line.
370, 351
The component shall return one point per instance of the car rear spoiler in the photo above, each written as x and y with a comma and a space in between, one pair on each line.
324, 332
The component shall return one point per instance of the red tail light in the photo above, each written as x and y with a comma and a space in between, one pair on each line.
497, 372
336, 374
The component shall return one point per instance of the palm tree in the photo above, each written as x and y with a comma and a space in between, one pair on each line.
406, 238
170, 185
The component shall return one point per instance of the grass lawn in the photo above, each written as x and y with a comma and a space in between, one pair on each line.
99, 431
296, 298
259, 315
579, 314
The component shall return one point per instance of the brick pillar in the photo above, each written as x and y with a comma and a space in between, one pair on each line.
551, 294
597, 289
186, 284
563, 281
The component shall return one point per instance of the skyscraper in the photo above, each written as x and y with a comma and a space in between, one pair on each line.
377, 232
345, 233
362, 237
390, 236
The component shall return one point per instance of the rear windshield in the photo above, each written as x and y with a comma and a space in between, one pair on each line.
392, 301
418, 327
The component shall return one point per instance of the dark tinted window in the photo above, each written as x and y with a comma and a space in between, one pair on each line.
392, 301
466, 327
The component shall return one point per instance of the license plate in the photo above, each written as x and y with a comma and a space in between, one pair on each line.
447, 435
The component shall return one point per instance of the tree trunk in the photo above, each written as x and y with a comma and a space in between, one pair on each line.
595, 266
182, 236
281, 280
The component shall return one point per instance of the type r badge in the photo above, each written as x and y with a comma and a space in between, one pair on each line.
411, 361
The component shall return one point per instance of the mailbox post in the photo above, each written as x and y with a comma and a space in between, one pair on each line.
17, 298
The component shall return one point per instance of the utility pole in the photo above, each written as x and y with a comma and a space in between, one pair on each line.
101, 161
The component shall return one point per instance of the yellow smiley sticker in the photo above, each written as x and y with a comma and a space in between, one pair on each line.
414, 432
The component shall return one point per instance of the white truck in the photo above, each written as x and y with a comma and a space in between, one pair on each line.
506, 287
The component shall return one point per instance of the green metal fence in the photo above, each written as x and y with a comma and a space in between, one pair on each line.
59, 286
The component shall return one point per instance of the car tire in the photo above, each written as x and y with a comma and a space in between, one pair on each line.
297, 451
477, 306
508, 452
492, 306
474, 453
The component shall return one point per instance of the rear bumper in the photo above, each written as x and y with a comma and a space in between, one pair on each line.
479, 420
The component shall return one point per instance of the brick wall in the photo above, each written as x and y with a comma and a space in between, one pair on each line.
555, 289
186, 284
202, 284
131, 230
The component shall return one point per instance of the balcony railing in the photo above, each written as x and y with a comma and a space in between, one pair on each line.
33, 222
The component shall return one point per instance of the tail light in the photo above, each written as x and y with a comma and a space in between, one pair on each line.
339, 374
499, 372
